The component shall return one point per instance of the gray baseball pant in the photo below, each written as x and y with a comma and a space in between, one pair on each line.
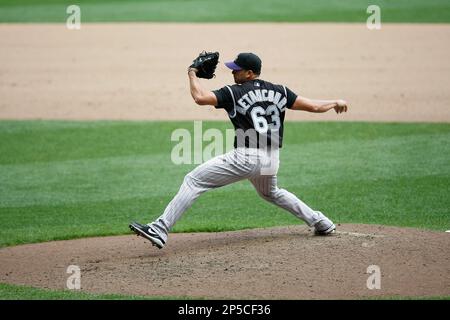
258, 166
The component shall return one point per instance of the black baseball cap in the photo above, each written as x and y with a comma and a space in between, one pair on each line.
246, 61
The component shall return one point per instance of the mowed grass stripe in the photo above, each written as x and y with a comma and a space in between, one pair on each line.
19, 292
94, 183
380, 202
95, 180
44, 141
225, 11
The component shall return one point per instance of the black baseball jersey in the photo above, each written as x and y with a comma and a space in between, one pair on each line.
257, 109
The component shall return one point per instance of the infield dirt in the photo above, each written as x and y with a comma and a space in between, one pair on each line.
138, 71
274, 263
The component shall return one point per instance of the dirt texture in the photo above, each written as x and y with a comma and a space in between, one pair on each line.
274, 263
138, 71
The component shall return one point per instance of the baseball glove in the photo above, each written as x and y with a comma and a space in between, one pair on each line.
206, 64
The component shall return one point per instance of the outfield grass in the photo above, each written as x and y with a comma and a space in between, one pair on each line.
62, 180
14, 292
225, 11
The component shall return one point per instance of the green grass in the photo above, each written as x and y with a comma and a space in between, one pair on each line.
62, 180
225, 11
15, 292
66, 179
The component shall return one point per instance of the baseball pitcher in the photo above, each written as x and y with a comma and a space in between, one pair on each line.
257, 110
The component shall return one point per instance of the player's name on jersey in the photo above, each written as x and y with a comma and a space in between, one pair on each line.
260, 95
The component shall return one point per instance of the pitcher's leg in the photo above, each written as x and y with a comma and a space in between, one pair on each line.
183, 200
217, 172
267, 188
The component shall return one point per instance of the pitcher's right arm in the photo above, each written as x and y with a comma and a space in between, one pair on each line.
319, 106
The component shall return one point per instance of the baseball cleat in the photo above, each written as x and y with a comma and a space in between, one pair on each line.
145, 231
324, 227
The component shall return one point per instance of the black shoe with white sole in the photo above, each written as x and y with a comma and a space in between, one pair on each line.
324, 227
146, 232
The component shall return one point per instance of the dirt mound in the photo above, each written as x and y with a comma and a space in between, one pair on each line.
274, 263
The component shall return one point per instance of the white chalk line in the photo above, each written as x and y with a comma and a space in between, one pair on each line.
357, 234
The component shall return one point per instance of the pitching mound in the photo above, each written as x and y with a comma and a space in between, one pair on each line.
275, 263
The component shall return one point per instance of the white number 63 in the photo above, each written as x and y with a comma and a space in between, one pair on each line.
259, 121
